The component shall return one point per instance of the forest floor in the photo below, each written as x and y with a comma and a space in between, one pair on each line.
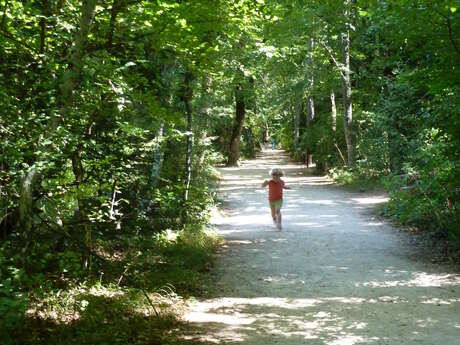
336, 273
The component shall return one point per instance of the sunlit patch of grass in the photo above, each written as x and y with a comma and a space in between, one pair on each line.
356, 180
96, 314
181, 261
66, 306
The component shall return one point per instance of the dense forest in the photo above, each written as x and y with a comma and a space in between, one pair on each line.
115, 113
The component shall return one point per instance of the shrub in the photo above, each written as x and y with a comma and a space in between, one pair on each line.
427, 194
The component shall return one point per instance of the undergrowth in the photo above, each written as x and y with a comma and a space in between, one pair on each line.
136, 297
356, 180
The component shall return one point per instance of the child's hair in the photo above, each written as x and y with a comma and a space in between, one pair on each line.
276, 171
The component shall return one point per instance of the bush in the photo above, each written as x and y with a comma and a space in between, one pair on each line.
427, 194
12, 301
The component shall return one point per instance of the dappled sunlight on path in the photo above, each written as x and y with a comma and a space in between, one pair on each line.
334, 275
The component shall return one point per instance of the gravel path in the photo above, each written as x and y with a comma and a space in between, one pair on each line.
334, 275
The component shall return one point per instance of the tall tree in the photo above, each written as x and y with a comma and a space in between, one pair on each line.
310, 99
348, 103
240, 112
70, 80
187, 97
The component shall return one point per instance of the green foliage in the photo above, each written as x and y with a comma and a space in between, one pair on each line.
427, 194
404, 64
356, 179
13, 302
372, 146
90, 117
321, 139
135, 298
253, 135
12, 308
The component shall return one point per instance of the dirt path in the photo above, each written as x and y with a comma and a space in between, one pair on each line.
334, 275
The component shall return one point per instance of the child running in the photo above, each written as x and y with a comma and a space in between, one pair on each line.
275, 195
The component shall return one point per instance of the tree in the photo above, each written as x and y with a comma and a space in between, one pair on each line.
310, 101
240, 112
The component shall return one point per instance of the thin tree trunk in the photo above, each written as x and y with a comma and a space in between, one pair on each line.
250, 142
334, 126
340, 154
43, 23
26, 204
348, 116
333, 113
157, 154
297, 111
234, 154
205, 93
188, 153
310, 101
334, 122
113, 20
266, 133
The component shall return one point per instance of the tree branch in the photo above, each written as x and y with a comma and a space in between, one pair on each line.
113, 19
449, 26
31, 50
338, 64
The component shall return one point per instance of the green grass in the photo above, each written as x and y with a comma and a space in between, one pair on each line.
356, 181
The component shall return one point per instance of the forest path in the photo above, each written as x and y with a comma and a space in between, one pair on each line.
334, 275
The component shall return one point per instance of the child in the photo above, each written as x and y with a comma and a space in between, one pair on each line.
275, 195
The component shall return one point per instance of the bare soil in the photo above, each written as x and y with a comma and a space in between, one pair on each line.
335, 274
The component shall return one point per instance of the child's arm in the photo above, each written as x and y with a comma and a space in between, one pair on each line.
264, 184
286, 187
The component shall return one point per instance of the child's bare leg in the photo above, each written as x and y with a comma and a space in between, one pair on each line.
278, 217
273, 214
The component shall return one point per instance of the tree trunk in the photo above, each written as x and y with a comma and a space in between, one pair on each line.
234, 154
266, 133
46, 12
250, 142
333, 113
334, 126
188, 151
157, 154
72, 76
348, 116
69, 81
297, 111
310, 101
113, 18
206, 83
26, 204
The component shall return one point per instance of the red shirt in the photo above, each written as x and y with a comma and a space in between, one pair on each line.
275, 190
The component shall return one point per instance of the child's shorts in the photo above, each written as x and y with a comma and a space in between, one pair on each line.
276, 204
